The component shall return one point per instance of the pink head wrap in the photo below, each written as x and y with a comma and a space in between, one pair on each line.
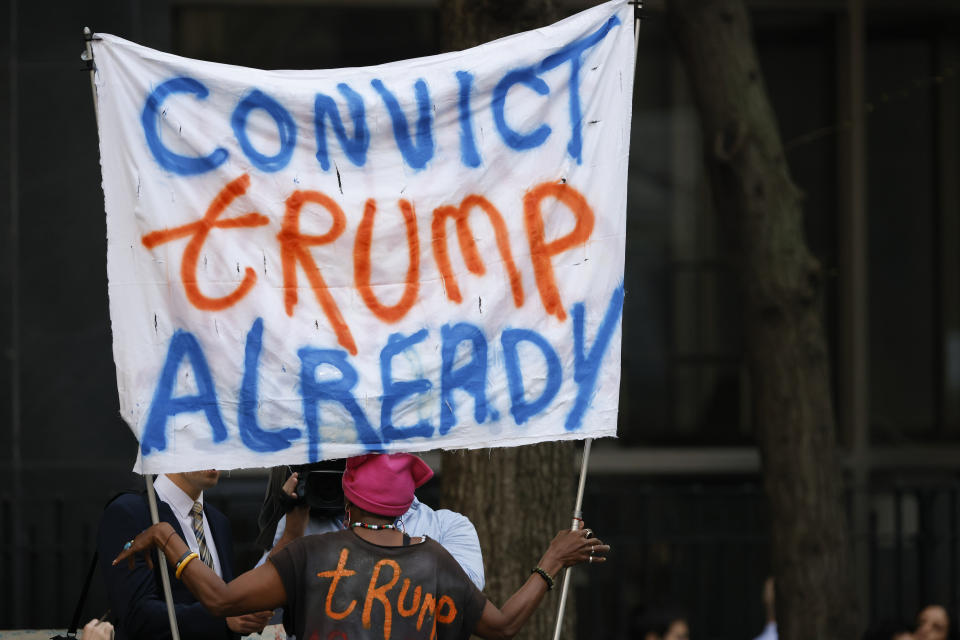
383, 484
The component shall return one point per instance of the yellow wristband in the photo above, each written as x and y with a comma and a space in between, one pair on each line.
183, 563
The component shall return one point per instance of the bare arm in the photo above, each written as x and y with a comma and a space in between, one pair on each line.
568, 548
256, 590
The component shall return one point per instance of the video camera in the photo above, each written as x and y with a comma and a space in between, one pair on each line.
321, 490
319, 485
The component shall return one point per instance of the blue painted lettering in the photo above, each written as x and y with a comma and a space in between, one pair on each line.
468, 148
419, 154
355, 147
179, 164
513, 139
573, 53
471, 377
286, 130
521, 409
340, 391
586, 367
394, 392
251, 433
164, 405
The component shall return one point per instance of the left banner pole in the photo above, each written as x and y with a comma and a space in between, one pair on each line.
87, 57
164, 572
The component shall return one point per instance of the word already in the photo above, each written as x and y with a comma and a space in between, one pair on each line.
469, 377
295, 250
416, 153
423, 605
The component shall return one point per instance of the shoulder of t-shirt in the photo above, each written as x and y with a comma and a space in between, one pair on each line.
449, 566
305, 544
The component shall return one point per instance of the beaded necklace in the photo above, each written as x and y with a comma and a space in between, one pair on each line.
375, 527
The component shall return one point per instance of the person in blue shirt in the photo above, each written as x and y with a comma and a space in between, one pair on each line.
452, 530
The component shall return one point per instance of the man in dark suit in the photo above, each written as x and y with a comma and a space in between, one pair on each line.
136, 596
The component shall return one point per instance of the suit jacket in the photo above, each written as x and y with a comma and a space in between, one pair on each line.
136, 597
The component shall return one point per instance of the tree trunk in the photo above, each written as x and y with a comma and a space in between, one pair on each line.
784, 336
518, 497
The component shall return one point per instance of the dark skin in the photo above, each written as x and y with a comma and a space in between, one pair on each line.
261, 588
193, 483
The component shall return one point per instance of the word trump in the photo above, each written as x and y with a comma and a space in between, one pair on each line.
469, 377
294, 246
423, 605
416, 149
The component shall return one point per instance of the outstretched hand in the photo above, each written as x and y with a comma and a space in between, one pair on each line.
249, 623
154, 536
572, 547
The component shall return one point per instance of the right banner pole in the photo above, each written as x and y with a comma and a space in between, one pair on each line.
578, 510
577, 523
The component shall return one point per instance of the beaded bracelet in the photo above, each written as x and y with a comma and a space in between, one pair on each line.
543, 574
185, 561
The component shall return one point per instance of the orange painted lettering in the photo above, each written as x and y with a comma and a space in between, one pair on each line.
542, 251
428, 603
468, 246
198, 232
295, 247
403, 611
362, 267
451, 614
340, 572
380, 593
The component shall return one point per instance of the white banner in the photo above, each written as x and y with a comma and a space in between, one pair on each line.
426, 254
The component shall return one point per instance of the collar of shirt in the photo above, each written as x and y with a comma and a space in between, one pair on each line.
179, 501
414, 506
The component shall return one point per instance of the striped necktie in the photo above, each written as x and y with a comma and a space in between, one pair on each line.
197, 513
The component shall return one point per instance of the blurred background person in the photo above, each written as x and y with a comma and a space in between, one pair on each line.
97, 630
768, 597
662, 624
933, 623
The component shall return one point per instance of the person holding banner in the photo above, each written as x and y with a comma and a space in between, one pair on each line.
136, 598
371, 575
320, 486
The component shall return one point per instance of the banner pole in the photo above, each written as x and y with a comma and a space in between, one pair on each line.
164, 571
577, 523
577, 510
87, 57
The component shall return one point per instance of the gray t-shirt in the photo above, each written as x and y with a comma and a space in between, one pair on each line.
339, 585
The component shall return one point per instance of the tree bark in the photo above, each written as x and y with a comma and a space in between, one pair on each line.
782, 314
518, 497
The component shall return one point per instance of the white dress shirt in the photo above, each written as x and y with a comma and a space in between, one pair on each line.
181, 504
769, 632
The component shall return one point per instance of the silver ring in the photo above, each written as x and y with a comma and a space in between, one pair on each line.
587, 533
127, 544
590, 559
592, 549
